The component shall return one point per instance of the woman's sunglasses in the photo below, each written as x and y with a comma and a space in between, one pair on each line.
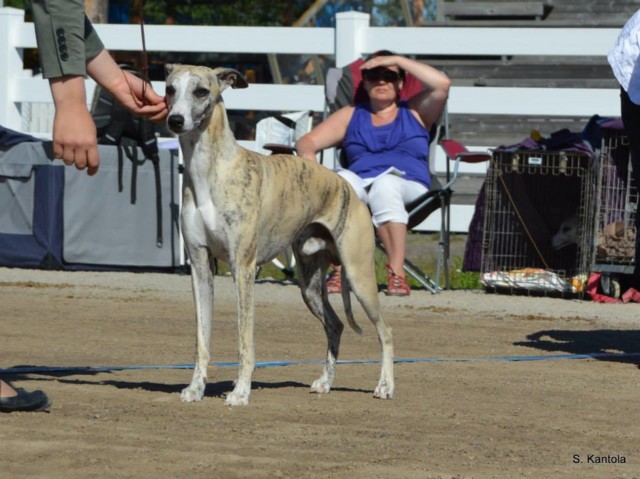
378, 74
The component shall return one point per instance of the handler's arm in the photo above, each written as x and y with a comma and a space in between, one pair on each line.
70, 48
65, 36
66, 41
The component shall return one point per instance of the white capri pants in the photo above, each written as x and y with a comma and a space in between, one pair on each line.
386, 196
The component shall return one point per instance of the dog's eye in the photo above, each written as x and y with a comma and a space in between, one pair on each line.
169, 91
201, 92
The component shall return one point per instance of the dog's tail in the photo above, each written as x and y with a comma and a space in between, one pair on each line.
346, 298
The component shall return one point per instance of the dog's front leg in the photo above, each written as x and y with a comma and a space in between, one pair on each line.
244, 276
202, 271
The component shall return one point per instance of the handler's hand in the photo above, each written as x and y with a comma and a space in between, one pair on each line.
74, 132
128, 92
127, 88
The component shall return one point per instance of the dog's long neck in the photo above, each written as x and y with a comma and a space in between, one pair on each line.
211, 143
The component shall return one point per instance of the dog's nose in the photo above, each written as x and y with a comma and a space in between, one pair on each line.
175, 122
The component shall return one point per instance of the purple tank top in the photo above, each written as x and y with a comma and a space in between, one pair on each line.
403, 144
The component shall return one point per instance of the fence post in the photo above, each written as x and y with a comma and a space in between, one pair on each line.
11, 66
351, 29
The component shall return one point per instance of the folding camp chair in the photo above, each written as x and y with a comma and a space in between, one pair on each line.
439, 197
344, 87
278, 134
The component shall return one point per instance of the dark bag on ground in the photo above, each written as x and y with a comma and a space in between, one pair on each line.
118, 126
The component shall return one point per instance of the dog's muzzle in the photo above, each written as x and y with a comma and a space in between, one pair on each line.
175, 123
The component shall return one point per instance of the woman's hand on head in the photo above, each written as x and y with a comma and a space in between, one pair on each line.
383, 61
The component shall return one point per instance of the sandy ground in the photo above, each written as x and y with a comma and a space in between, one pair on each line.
463, 409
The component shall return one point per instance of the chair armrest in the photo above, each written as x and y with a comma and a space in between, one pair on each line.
279, 149
456, 151
473, 156
452, 148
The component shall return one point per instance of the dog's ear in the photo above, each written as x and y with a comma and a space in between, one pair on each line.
168, 68
228, 77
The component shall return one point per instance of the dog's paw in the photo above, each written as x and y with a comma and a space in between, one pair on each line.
383, 392
191, 394
321, 386
236, 399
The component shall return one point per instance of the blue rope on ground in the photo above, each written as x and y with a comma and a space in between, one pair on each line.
271, 364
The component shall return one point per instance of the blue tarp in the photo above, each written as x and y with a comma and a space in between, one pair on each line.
32, 187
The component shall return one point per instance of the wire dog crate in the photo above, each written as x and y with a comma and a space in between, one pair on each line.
616, 207
538, 222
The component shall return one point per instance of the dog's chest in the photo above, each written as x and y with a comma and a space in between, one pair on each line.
202, 219
212, 215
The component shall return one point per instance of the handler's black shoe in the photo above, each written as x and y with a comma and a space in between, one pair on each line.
25, 401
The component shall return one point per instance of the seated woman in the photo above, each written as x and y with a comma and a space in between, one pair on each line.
387, 148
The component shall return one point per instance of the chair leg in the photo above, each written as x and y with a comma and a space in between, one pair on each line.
288, 265
447, 245
439, 260
444, 245
415, 272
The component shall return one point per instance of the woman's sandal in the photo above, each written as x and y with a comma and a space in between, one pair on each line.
25, 401
334, 283
397, 286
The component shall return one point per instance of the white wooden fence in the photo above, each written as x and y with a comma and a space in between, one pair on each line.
351, 38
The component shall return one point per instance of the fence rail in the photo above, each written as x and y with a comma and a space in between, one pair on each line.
351, 38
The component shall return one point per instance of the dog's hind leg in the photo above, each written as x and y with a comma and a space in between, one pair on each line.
385, 386
202, 272
359, 267
244, 276
311, 271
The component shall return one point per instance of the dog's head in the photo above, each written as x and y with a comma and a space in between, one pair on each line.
567, 233
193, 91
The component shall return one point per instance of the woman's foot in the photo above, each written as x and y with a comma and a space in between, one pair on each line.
22, 400
396, 285
334, 283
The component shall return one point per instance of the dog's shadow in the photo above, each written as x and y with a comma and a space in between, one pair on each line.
213, 389
604, 344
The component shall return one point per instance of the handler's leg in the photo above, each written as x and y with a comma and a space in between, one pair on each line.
19, 400
387, 199
631, 119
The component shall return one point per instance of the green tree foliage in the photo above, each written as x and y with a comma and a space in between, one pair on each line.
224, 12
207, 12
255, 12
22, 4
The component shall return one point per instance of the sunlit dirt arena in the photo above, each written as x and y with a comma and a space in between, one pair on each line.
486, 385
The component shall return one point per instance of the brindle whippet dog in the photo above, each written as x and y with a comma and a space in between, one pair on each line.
245, 208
